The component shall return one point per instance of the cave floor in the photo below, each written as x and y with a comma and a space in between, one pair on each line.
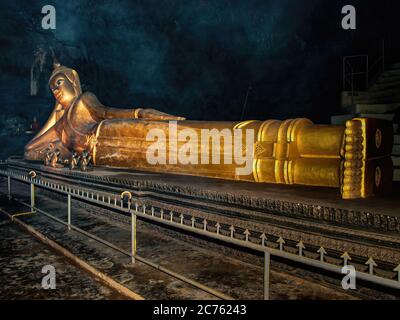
239, 279
21, 261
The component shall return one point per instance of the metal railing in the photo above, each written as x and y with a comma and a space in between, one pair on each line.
349, 70
357, 67
210, 229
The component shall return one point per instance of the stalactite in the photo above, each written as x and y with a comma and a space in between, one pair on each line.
37, 69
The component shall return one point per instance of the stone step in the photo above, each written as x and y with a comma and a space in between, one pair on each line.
382, 80
394, 91
396, 161
386, 85
396, 150
392, 72
385, 116
394, 66
396, 174
387, 78
376, 108
378, 100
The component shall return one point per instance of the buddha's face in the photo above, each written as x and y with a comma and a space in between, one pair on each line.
63, 90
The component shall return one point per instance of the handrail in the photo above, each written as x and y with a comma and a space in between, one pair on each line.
369, 76
58, 188
215, 230
353, 72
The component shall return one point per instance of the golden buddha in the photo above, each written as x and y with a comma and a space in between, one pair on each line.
354, 158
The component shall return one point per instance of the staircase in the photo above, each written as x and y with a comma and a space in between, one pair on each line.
381, 100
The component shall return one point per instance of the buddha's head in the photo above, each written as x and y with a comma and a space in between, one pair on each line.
65, 85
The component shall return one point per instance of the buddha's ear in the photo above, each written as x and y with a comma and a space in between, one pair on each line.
76, 82
76, 77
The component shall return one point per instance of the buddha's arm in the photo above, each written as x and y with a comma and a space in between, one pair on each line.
41, 142
152, 114
105, 112
34, 150
115, 113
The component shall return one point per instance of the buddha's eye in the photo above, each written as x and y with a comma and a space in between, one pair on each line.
59, 82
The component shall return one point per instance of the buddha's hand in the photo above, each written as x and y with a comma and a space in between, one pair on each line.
179, 118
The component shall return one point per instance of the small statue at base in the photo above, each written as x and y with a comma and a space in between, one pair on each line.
85, 160
75, 160
48, 155
56, 160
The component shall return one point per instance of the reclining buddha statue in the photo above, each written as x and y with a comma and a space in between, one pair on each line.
355, 158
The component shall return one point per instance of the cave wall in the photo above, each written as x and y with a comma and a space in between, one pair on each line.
195, 58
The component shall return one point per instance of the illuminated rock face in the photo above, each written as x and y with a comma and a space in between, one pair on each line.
354, 158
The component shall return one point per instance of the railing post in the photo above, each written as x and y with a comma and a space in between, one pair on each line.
344, 73
383, 55
69, 212
9, 187
133, 237
352, 90
267, 265
33, 197
367, 74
